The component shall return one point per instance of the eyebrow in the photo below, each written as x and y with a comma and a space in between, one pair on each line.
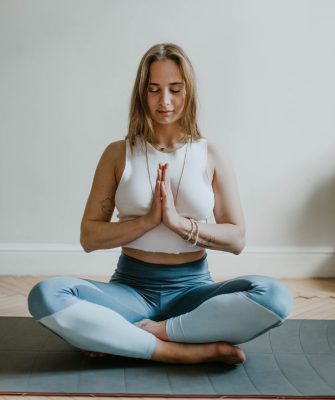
171, 83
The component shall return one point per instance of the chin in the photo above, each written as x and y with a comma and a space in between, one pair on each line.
162, 121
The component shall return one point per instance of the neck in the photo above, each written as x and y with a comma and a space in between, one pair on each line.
168, 135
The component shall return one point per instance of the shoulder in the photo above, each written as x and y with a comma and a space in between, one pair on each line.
214, 148
114, 148
114, 152
112, 157
218, 156
210, 146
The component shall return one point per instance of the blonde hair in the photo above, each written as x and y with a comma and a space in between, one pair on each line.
140, 122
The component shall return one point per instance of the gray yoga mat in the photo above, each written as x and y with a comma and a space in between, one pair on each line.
296, 359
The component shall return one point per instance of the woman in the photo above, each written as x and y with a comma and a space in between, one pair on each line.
166, 180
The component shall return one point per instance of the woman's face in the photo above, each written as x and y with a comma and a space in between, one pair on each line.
166, 92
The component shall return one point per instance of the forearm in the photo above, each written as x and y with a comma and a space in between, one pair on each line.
98, 235
225, 237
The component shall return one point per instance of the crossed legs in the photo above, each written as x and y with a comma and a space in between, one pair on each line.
235, 311
93, 316
207, 322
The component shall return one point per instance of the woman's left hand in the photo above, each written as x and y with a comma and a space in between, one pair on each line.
170, 215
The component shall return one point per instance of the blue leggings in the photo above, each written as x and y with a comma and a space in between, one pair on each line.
100, 316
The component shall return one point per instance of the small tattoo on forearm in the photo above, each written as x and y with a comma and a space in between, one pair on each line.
107, 206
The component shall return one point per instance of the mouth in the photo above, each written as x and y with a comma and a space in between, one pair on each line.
164, 112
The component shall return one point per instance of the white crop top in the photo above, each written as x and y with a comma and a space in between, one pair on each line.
133, 196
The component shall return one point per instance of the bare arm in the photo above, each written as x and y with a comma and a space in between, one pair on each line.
97, 235
225, 237
228, 234
96, 230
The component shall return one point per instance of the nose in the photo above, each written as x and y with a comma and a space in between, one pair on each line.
165, 98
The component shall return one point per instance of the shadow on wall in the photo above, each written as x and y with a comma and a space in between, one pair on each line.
315, 226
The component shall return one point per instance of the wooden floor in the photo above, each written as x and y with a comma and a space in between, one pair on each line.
313, 299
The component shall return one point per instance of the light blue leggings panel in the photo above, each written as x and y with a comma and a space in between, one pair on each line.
100, 316
93, 315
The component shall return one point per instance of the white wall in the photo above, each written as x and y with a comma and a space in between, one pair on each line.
265, 74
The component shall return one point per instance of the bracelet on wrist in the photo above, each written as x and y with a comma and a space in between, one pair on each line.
195, 230
196, 234
189, 236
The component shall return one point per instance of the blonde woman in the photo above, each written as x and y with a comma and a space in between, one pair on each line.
166, 180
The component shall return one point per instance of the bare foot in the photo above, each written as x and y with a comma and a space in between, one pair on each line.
93, 354
156, 328
194, 353
190, 353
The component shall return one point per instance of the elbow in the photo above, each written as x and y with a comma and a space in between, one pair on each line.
85, 243
240, 244
85, 246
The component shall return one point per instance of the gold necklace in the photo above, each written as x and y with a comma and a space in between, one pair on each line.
146, 156
158, 147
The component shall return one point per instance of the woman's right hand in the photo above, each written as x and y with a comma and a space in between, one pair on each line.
154, 216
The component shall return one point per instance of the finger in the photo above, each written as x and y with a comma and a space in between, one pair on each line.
166, 170
163, 189
166, 178
157, 180
168, 190
164, 175
157, 188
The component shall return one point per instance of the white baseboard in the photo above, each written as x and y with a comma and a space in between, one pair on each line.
62, 259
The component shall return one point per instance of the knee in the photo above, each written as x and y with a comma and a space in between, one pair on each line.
273, 294
41, 300
280, 298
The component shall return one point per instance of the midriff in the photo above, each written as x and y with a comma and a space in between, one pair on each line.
163, 258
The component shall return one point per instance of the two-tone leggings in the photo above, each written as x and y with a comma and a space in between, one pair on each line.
100, 316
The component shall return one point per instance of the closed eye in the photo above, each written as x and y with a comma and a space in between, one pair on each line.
157, 90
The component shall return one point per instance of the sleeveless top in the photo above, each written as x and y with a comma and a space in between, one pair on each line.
133, 196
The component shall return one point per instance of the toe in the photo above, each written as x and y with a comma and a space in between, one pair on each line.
232, 354
142, 322
240, 355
